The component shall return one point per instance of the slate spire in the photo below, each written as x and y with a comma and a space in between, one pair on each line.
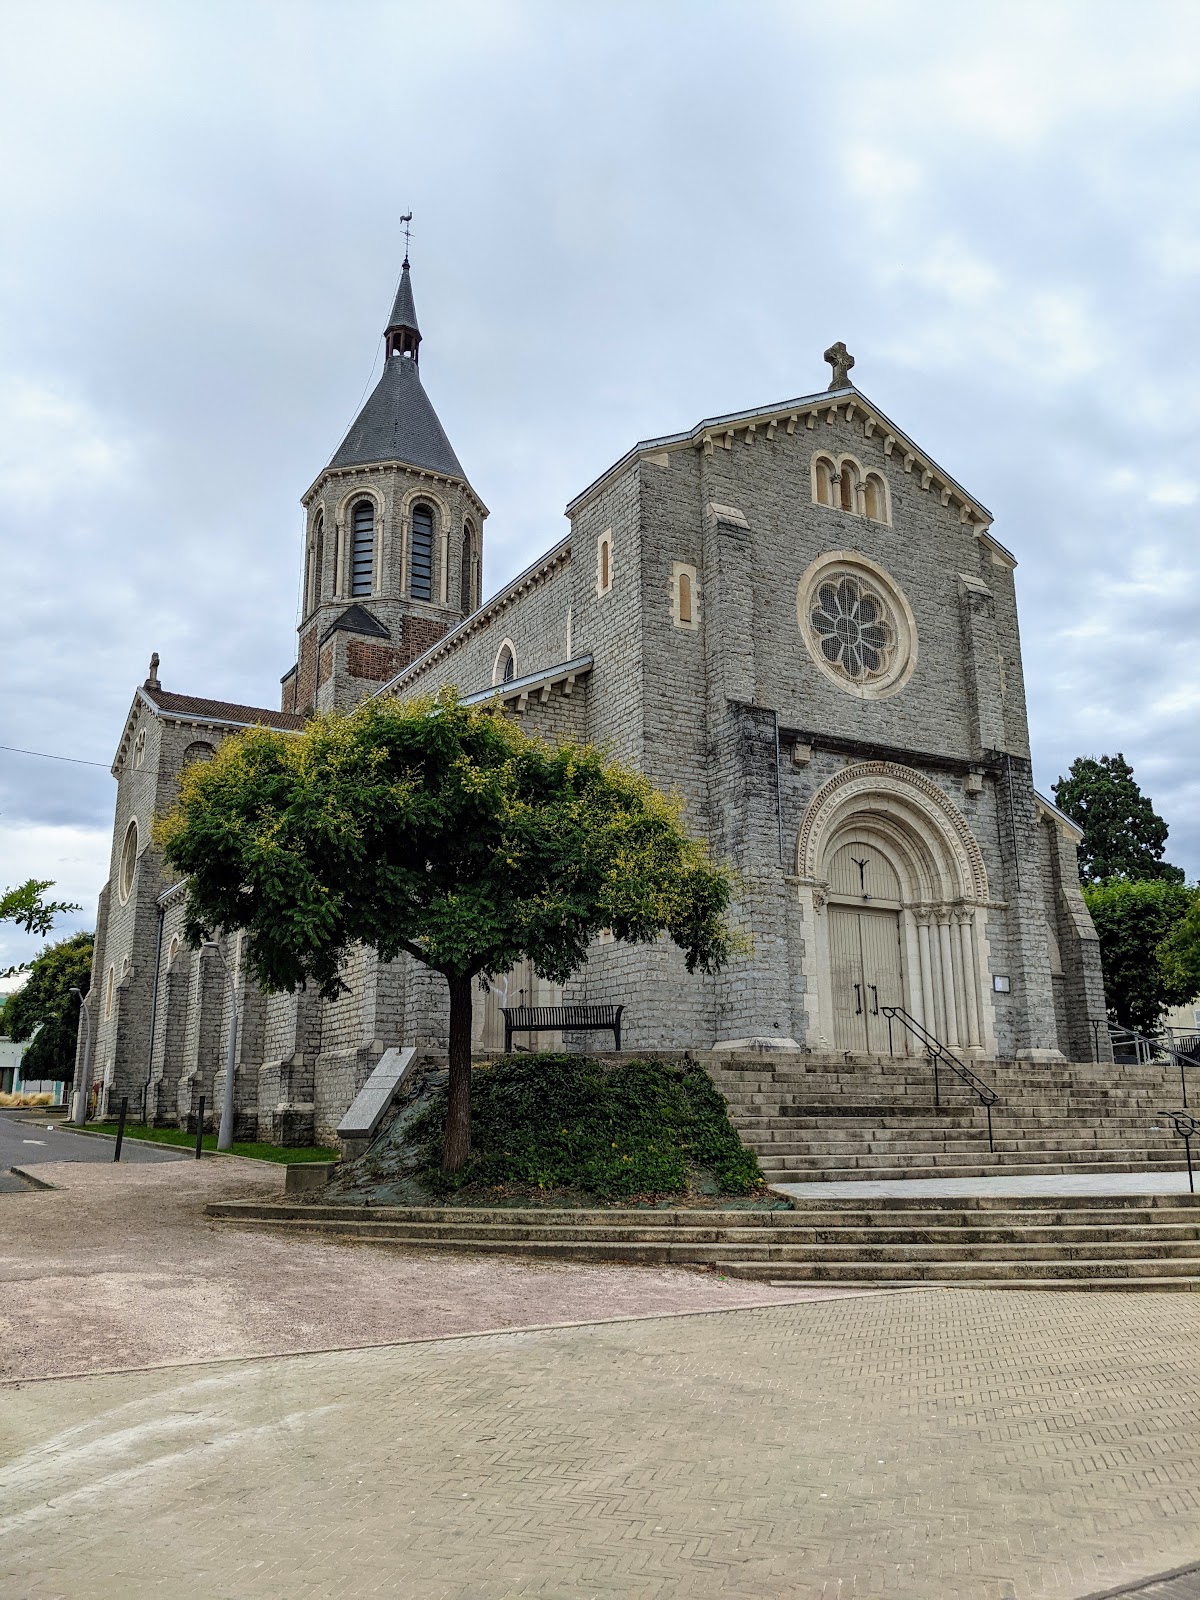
398, 423
402, 333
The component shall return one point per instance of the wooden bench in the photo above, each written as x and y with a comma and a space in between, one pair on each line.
555, 1019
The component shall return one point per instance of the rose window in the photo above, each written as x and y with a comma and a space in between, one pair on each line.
852, 627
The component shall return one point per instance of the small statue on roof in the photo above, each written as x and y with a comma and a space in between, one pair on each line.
152, 677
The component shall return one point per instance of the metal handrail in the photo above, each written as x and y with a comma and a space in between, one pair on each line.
1187, 1127
940, 1055
1149, 1047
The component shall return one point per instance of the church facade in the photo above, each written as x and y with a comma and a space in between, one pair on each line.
793, 617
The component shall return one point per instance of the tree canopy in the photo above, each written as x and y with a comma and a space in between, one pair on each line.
46, 999
1123, 835
440, 830
1149, 947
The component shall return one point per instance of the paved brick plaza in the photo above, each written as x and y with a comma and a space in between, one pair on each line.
935, 1443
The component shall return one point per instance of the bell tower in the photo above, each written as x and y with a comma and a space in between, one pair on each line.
393, 552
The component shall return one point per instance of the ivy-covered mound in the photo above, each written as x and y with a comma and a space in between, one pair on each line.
564, 1125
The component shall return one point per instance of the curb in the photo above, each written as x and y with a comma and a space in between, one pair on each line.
38, 1183
866, 1292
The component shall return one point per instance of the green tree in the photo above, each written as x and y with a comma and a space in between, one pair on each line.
46, 999
1123, 835
444, 831
1149, 947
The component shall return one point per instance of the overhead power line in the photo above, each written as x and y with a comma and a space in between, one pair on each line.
45, 755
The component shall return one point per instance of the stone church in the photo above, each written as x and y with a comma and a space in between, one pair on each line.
792, 616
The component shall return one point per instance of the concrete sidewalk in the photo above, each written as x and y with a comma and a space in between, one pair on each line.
119, 1267
944, 1445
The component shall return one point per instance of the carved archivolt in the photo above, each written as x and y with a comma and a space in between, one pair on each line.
946, 861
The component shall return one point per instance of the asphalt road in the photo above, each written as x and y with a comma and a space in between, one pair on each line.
27, 1139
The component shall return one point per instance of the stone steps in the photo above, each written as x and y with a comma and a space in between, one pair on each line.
824, 1118
1095, 1241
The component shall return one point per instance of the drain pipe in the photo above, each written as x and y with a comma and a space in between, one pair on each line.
778, 789
153, 1011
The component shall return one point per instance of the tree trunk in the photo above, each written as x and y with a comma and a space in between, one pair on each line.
458, 1112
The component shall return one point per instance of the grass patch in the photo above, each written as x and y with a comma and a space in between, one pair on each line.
288, 1154
549, 1122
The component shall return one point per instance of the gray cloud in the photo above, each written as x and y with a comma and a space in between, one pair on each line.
627, 216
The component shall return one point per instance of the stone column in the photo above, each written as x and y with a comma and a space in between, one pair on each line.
970, 971
947, 958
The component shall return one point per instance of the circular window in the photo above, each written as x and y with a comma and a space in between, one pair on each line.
128, 862
857, 625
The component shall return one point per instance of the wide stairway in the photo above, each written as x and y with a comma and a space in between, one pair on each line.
1125, 1242
816, 1118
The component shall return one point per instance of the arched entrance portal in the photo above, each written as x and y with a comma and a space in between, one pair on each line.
899, 895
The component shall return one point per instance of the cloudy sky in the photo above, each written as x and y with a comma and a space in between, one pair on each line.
628, 216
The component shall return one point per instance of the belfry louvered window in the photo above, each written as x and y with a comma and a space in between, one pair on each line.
421, 580
362, 548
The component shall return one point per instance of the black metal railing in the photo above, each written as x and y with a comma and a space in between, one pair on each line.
1186, 1127
941, 1056
1147, 1048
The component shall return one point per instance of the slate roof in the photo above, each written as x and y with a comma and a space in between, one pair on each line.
191, 705
399, 424
404, 308
355, 619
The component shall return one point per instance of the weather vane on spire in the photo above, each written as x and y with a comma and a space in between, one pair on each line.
406, 219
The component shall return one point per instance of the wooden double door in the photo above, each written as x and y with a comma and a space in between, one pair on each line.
864, 950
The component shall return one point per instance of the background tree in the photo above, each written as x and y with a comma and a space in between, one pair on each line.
46, 998
1123, 835
27, 906
444, 831
1149, 947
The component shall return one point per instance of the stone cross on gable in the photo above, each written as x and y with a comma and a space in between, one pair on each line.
840, 359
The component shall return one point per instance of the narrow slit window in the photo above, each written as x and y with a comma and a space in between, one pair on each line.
362, 548
318, 561
604, 563
421, 580
466, 587
685, 597
876, 500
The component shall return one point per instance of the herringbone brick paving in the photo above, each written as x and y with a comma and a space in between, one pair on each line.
942, 1443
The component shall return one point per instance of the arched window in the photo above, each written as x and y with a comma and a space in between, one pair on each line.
823, 481
875, 498
420, 583
316, 557
173, 951
848, 488
505, 669
139, 748
362, 547
466, 589
128, 865
684, 598
198, 750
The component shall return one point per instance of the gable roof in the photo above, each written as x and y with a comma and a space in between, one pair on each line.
398, 423
804, 411
355, 619
200, 709
223, 711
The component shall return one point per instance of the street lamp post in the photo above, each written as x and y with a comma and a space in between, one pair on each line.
225, 1131
78, 1112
